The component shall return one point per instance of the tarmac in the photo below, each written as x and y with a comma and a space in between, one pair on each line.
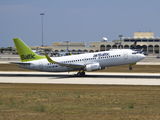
72, 78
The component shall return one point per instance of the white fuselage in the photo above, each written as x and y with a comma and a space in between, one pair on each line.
105, 59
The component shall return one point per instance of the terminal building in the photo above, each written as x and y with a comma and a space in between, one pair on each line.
72, 47
145, 41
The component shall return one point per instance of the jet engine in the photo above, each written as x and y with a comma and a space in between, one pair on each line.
92, 67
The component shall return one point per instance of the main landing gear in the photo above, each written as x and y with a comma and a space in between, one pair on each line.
81, 73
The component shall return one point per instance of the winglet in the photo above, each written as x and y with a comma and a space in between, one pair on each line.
49, 59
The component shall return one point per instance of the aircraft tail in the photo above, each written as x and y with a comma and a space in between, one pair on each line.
134, 45
25, 53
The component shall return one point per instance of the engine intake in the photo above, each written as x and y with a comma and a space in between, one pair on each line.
92, 67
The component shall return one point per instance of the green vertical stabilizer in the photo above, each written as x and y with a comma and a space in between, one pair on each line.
25, 53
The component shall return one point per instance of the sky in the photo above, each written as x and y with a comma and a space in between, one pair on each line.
76, 20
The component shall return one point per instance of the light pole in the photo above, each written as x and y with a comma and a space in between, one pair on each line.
67, 45
42, 27
120, 40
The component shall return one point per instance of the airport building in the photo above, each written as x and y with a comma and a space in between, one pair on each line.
72, 47
145, 41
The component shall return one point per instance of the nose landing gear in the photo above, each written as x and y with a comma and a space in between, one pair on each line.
130, 68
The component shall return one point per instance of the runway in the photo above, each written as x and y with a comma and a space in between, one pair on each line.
72, 78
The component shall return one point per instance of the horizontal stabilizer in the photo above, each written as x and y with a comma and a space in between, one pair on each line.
21, 63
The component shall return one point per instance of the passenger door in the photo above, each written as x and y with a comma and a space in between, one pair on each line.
40, 65
125, 55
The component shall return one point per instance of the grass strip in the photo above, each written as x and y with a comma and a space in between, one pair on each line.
90, 102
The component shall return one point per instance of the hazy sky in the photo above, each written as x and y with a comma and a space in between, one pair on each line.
76, 20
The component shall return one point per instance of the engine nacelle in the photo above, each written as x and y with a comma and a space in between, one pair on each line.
92, 67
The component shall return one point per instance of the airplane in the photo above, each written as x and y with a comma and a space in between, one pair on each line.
81, 62
36, 50
134, 45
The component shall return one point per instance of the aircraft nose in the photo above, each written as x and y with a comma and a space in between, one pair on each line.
141, 56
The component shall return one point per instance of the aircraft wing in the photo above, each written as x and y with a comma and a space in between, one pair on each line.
74, 66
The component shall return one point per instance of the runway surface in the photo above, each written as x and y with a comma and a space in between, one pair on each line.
72, 78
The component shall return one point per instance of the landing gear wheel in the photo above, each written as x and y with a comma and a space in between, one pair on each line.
81, 73
78, 74
130, 68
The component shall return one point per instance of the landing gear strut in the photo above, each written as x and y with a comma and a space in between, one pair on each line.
81, 73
